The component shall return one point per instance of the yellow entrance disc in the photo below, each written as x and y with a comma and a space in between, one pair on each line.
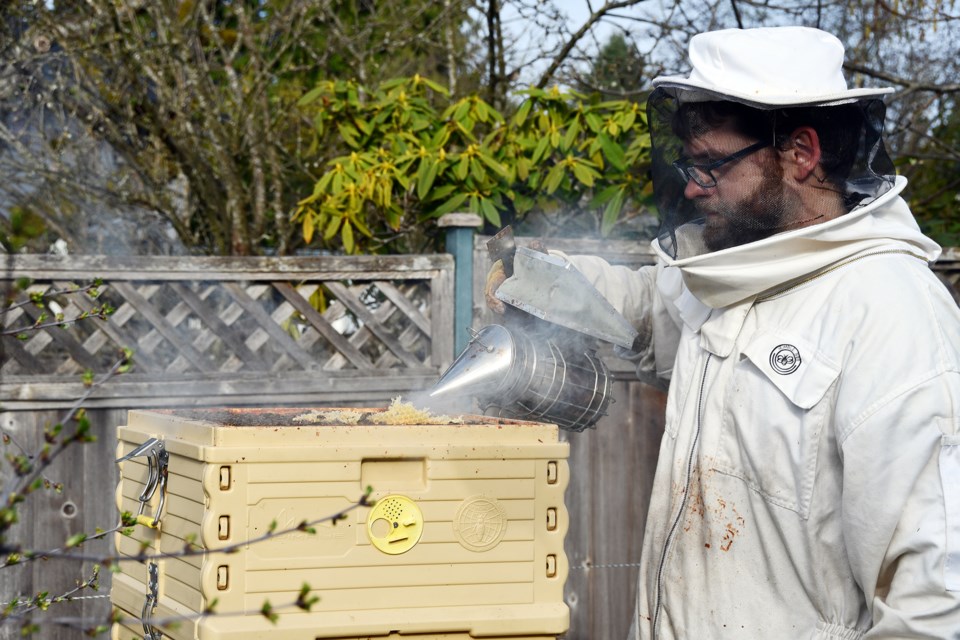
395, 524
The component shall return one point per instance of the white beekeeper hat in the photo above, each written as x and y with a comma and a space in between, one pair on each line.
766, 67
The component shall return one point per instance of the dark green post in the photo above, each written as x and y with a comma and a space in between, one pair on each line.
459, 242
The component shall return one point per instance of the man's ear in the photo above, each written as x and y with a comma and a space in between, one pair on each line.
802, 153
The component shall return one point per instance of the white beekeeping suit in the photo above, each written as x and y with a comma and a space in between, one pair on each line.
808, 484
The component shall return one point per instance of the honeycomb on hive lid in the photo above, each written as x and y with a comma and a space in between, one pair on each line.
399, 412
465, 538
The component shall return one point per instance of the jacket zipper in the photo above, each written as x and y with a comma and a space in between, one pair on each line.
683, 503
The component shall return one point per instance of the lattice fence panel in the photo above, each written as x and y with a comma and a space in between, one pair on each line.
227, 322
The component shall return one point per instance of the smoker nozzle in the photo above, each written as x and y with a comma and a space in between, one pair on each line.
529, 378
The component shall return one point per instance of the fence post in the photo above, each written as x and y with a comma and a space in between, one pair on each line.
459, 242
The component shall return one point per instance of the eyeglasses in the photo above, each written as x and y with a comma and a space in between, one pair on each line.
702, 173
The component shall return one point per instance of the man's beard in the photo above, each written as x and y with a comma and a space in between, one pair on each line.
758, 216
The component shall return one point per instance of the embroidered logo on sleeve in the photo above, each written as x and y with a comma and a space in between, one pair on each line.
785, 359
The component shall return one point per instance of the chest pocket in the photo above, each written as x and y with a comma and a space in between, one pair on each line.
774, 414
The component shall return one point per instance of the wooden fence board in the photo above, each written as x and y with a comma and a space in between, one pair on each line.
268, 325
394, 295
364, 315
227, 269
164, 327
16, 353
320, 323
87, 497
64, 338
218, 326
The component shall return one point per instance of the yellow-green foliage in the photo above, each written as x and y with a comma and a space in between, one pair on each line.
410, 162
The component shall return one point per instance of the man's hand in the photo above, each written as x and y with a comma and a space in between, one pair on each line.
495, 278
497, 275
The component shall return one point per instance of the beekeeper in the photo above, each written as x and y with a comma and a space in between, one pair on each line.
808, 484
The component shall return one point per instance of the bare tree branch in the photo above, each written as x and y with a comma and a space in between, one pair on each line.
595, 17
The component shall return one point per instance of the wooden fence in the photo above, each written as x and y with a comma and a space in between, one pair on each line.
304, 331
211, 330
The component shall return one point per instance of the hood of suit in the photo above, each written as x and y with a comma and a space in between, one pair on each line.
729, 276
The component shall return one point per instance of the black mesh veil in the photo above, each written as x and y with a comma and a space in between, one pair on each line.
716, 209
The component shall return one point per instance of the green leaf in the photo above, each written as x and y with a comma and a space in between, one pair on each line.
433, 85
394, 216
267, 612
584, 173
463, 167
418, 123
75, 540
308, 227
346, 234
349, 135
440, 138
541, 149
386, 85
426, 174
523, 112
611, 212
523, 168
476, 170
554, 178
594, 122
441, 193
363, 126
490, 212
323, 183
494, 165
402, 179
450, 205
572, 132
311, 95
304, 600
613, 152
604, 196
362, 228
461, 111
332, 227
495, 115
480, 108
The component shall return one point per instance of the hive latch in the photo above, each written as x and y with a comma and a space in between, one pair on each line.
157, 459
150, 602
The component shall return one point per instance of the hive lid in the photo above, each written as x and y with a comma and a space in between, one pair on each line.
202, 429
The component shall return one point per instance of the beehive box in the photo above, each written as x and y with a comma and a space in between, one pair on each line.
465, 539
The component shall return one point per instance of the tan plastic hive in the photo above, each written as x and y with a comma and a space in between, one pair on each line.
483, 498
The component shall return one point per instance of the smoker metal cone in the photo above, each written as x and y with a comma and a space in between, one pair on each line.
483, 366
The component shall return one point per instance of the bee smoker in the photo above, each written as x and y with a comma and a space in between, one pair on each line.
518, 374
541, 365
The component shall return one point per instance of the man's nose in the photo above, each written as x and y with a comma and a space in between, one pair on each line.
693, 190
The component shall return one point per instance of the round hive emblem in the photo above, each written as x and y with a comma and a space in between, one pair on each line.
480, 523
785, 359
